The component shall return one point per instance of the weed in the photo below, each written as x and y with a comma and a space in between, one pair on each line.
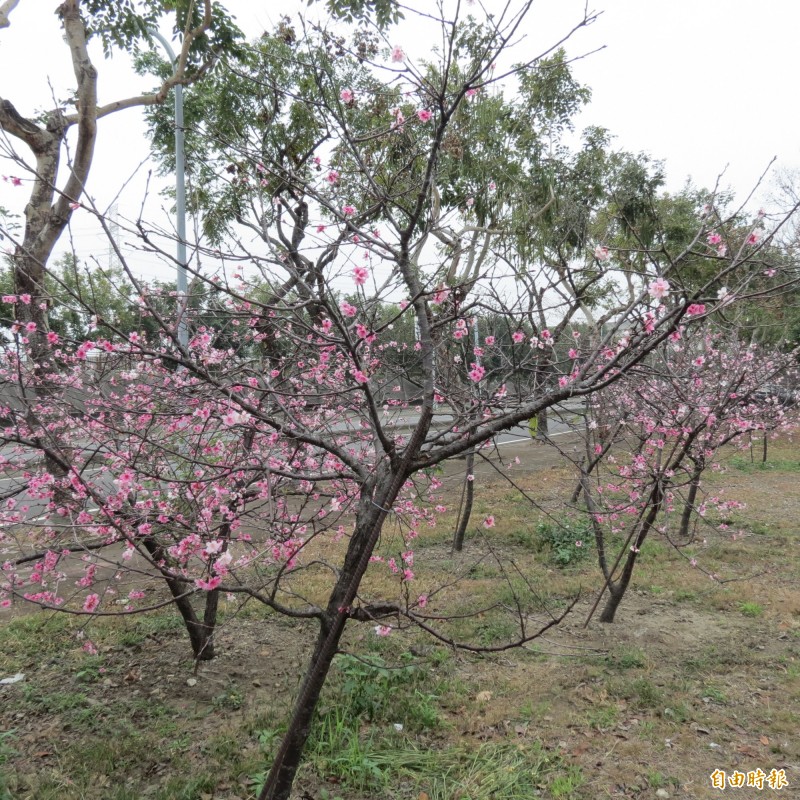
750, 609
232, 698
523, 537
566, 543
6, 752
714, 695
628, 658
677, 712
567, 783
656, 780
482, 570
602, 717
380, 693
641, 691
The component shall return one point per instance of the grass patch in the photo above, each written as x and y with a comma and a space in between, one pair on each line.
628, 658
565, 544
751, 609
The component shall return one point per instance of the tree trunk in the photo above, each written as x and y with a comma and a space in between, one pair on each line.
688, 506
466, 511
369, 523
279, 782
201, 632
615, 595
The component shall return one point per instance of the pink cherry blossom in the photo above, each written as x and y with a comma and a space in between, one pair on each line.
332, 177
348, 210
517, 336
347, 309
91, 603
423, 115
489, 341
601, 253
476, 373
346, 96
695, 309
382, 630
360, 275
489, 522
359, 376
398, 56
713, 238
658, 288
16, 181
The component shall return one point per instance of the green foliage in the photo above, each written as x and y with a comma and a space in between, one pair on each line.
232, 698
6, 753
565, 785
369, 688
751, 609
602, 717
566, 543
628, 658
385, 12
124, 24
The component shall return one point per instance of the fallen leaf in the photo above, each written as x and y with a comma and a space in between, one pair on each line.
763, 740
423, 796
483, 697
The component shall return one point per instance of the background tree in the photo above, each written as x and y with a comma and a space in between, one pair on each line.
641, 467
205, 30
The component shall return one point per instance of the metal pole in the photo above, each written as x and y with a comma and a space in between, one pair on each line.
180, 200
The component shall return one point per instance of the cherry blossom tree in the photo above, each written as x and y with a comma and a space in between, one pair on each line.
648, 439
51, 203
271, 446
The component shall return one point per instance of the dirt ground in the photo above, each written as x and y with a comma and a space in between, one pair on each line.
695, 676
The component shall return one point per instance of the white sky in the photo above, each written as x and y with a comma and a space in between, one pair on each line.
706, 85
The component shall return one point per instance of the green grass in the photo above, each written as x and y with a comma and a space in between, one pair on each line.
602, 717
743, 464
750, 609
566, 784
566, 543
627, 658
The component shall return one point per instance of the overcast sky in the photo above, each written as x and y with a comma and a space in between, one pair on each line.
706, 85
